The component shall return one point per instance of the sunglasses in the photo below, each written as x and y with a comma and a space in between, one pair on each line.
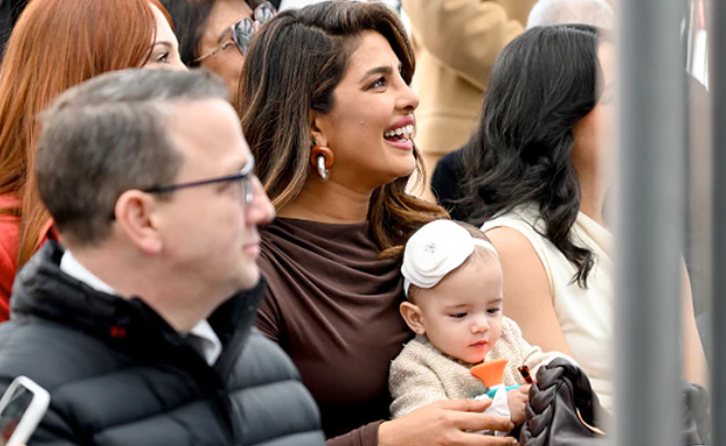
245, 176
243, 31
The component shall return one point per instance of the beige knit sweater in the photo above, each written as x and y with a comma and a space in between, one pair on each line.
421, 374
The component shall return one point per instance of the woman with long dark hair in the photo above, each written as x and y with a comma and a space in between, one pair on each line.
536, 171
328, 113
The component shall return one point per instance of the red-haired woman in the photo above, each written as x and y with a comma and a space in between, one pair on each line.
57, 44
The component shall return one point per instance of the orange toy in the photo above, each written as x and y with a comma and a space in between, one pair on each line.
491, 373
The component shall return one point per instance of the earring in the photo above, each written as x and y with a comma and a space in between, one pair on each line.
322, 158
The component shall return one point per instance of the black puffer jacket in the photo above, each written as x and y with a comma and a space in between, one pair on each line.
120, 375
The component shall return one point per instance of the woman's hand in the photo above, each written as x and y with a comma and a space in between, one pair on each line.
517, 400
445, 423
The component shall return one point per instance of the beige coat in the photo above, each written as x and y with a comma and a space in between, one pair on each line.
456, 43
421, 374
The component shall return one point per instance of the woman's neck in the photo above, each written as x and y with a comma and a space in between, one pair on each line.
592, 197
328, 202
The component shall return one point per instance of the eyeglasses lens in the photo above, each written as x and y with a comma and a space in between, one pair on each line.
243, 32
245, 28
264, 12
249, 191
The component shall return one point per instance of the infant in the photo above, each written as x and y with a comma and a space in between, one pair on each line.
454, 289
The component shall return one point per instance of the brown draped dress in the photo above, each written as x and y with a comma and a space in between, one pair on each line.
332, 305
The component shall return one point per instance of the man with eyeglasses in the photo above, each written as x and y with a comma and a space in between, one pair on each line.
141, 324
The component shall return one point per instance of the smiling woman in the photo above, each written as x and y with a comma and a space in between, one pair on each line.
55, 45
327, 110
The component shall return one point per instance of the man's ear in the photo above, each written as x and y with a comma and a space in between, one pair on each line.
136, 214
411, 313
316, 133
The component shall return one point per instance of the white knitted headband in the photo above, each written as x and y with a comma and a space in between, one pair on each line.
434, 251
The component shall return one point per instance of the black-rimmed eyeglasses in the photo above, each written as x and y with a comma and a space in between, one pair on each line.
243, 30
245, 177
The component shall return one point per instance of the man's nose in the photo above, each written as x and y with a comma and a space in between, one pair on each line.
261, 210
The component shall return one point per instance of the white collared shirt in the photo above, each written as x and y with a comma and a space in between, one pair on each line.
205, 341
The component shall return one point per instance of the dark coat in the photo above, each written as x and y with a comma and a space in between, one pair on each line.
118, 374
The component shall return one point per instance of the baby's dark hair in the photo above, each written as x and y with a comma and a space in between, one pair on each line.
480, 253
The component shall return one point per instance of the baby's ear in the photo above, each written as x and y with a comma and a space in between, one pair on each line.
411, 313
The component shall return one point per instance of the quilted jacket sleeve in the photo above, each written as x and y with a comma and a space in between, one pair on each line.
53, 429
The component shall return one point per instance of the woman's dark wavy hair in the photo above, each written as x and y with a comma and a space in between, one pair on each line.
542, 84
293, 65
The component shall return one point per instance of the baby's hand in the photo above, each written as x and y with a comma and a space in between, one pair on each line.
517, 400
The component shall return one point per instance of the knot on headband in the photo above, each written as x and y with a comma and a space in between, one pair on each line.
434, 251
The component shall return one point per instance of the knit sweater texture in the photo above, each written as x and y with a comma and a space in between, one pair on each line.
421, 374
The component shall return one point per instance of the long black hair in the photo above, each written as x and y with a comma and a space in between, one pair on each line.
542, 84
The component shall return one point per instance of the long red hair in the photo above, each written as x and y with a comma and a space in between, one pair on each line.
55, 45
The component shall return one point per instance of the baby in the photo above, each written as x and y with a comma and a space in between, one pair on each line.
453, 282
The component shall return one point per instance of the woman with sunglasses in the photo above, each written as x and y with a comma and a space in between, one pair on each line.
328, 114
215, 34
55, 45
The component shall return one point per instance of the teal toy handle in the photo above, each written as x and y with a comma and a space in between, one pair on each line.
491, 392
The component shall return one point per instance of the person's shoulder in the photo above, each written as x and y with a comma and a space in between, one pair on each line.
24, 333
9, 229
419, 349
511, 241
9, 246
9, 200
510, 339
511, 345
510, 328
9, 223
275, 239
517, 216
418, 356
415, 346
519, 227
272, 363
52, 354
265, 381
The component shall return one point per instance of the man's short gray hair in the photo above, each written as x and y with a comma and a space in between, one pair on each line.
106, 136
596, 13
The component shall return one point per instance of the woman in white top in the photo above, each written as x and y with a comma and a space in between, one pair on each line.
535, 175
